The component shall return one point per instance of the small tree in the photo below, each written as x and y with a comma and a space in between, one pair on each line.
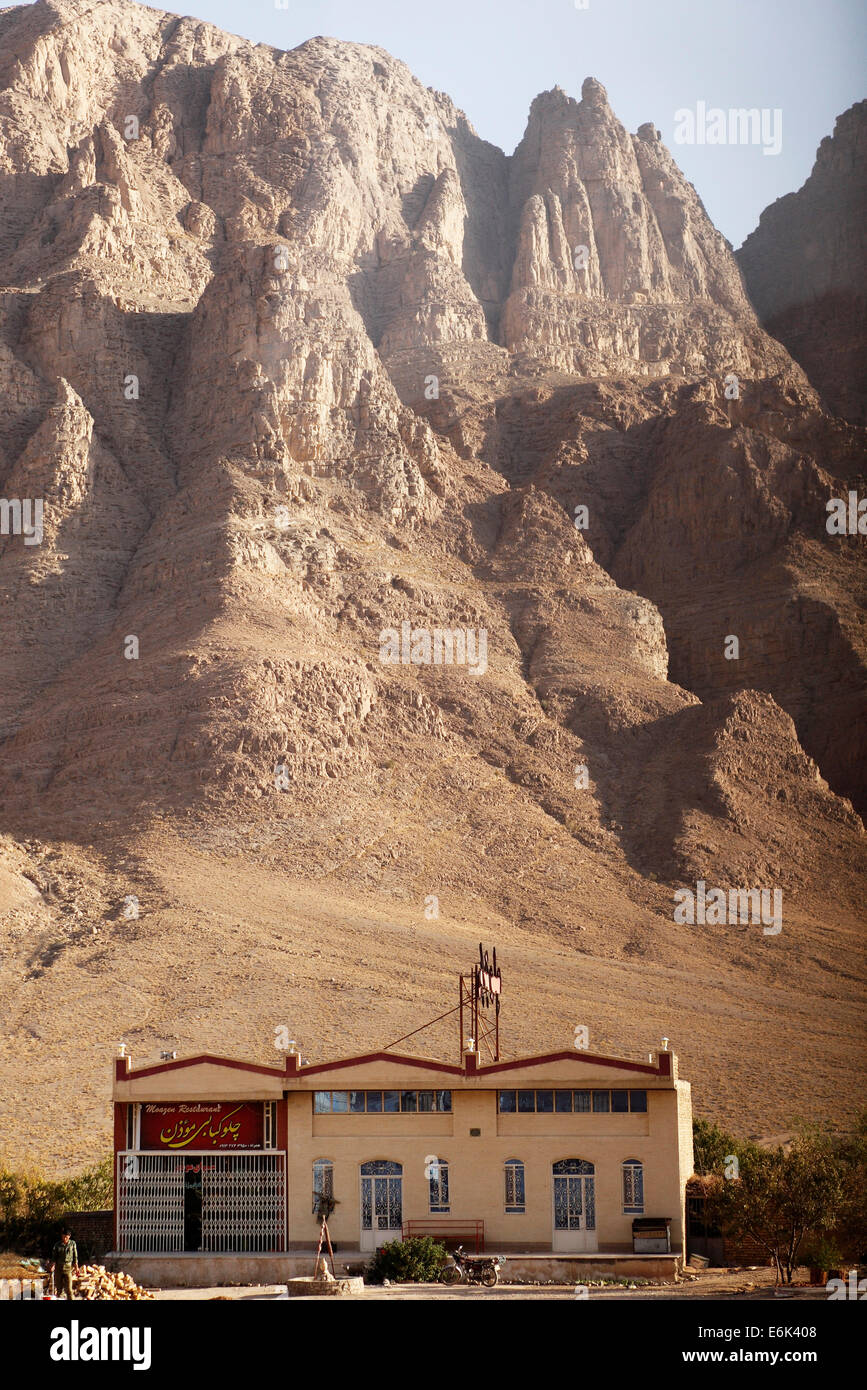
780, 1196
711, 1147
851, 1228
11, 1192
92, 1190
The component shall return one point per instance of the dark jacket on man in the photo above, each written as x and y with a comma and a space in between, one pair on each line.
64, 1262
65, 1254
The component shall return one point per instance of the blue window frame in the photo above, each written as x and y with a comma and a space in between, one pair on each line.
381, 1102
633, 1187
323, 1179
514, 1180
439, 1186
597, 1102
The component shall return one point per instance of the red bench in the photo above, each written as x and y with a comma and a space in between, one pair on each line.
451, 1229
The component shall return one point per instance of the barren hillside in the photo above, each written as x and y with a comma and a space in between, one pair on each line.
294, 359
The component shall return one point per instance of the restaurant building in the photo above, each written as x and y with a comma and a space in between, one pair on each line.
558, 1153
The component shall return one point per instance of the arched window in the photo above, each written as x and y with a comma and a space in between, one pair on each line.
633, 1187
514, 1176
323, 1180
437, 1173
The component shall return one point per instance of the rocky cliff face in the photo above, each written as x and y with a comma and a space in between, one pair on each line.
805, 267
295, 360
616, 265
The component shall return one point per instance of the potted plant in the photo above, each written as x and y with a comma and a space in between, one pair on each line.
824, 1259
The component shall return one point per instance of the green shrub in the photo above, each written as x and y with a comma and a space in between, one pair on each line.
33, 1209
823, 1252
92, 1190
416, 1260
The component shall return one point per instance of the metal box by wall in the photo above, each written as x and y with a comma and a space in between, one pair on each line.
651, 1235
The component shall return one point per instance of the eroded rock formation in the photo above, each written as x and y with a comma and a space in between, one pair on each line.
293, 358
805, 267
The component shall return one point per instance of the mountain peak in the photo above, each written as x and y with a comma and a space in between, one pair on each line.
403, 503
594, 93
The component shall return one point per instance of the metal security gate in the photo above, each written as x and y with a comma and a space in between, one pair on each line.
574, 1205
381, 1203
243, 1201
150, 1200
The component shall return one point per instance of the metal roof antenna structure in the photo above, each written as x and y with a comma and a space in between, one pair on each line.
479, 992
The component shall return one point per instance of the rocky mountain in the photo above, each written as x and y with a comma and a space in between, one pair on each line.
306, 375
805, 267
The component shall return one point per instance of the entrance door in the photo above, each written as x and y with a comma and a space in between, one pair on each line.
381, 1203
193, 1202
574, 1206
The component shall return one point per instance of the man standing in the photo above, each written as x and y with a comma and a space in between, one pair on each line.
64, 1263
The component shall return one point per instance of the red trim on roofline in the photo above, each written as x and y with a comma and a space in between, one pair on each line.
123, 1072
382, 1057
616, 1062
194, 1062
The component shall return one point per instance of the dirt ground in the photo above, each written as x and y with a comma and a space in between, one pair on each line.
718, 1284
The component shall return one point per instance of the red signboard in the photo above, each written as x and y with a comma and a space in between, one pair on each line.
226, 1124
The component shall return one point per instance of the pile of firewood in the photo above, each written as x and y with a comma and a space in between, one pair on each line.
95, 1281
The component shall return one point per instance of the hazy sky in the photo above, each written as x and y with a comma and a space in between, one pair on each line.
805, 58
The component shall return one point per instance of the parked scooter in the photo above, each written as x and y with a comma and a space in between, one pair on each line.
474, 1269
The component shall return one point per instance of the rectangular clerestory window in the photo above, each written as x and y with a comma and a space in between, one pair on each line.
381, 1102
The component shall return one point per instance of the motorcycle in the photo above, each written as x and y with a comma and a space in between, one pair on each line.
473, 1269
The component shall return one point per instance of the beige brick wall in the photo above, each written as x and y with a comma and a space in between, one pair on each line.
661, 1139
476, 1181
